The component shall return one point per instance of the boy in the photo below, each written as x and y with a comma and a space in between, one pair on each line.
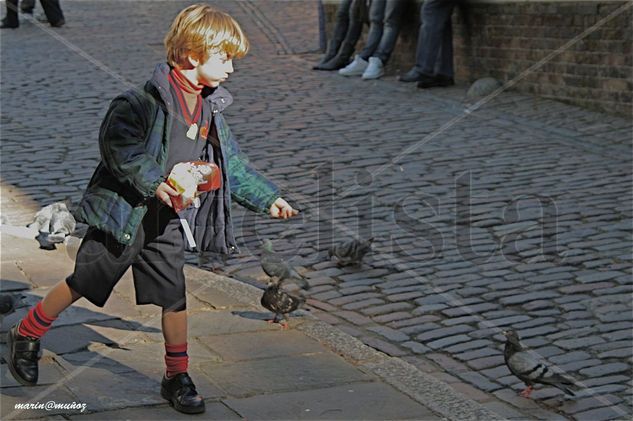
176, 118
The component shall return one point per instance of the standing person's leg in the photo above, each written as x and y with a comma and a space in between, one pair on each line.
357, 13
444, 64
101, 262
394, 10
27, 6
376, 17
340, 29
433, 17
437, 18
53, 12
376, 24
11, 18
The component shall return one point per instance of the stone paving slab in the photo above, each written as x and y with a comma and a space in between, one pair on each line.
367, 401
19, 395
258, 345
282, 374
214, 411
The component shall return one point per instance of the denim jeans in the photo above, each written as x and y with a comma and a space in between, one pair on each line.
434, 53
385, 18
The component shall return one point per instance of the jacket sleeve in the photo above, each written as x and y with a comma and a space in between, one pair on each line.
249, 188
122, 147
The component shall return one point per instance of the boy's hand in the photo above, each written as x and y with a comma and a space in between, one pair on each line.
281, 209
164, 192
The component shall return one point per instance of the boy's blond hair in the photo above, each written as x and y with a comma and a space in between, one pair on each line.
200, 29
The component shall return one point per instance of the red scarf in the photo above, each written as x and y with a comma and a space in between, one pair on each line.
188, 95
185, 84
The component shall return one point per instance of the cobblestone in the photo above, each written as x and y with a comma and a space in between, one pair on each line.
605, 369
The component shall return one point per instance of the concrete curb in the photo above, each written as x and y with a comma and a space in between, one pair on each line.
408, 379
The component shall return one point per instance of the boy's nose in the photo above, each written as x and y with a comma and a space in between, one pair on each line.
229, 68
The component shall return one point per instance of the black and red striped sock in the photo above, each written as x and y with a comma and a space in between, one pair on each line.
176, 359
36, 323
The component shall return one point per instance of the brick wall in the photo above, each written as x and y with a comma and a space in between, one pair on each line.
503, 39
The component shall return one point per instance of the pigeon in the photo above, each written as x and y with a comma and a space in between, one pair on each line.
280, 302
531, 369
351, 252
276, 267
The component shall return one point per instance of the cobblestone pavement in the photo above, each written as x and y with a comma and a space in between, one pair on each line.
517, 215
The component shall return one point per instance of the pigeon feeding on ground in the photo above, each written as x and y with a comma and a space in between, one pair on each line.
276, 267
280, 302
351, 252
531, 369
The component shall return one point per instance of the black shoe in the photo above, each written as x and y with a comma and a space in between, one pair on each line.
23, 357
181, 394
433, 81
4, 24
411, 76
58, 24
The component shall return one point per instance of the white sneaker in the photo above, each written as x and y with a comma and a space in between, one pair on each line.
355, 68
374, 69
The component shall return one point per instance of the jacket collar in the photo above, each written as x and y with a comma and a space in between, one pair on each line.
219, 97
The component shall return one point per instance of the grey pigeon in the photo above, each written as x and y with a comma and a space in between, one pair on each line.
276, 267
531, 369
280, 302
351, 252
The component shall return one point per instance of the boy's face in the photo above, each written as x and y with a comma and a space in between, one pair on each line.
215, 70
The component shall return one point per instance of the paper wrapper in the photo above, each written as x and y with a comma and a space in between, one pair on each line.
190, 179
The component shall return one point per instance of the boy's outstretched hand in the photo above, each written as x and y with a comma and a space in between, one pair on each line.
281, 209
164, 192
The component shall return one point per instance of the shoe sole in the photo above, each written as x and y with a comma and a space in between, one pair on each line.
178, 407
373, 77
16, 376
350, 74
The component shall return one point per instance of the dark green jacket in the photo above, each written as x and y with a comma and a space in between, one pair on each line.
134, 140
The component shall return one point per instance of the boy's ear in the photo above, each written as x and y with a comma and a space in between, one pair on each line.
194, 62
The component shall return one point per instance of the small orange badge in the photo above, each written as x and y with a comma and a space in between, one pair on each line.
204, 131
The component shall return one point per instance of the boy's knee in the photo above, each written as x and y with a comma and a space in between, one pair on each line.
175, 308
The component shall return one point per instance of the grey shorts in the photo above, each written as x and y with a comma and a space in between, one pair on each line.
157, 258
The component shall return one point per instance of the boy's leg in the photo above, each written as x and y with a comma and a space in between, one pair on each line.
159, 279
100, 264
176, 386
23, 340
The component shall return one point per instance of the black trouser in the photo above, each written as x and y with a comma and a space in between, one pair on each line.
52, 9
